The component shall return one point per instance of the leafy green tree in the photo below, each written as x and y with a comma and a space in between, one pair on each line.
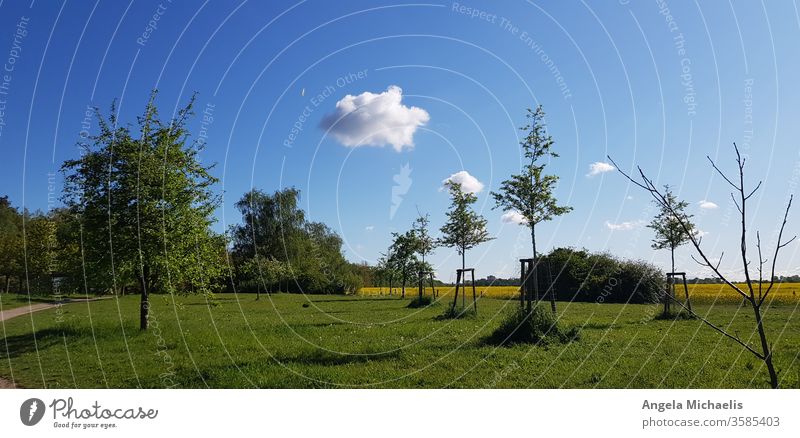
669, 231
530, 193
10, 242
145, 204
425, 243
274, 227
464, 229
403, 256
40, 252
266, 272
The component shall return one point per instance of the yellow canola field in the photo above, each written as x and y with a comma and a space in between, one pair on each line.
782, 293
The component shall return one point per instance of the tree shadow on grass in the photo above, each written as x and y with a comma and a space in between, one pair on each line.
330, 358
317, 324
18, 345
217, 375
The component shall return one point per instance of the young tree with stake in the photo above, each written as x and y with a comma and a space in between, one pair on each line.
464, 229
530, 192
669, 232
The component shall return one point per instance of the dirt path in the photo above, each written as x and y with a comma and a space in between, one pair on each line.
25, 310
6, 384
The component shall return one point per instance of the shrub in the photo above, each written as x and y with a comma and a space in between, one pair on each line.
422, 301
539, 326
578, 275
457, 313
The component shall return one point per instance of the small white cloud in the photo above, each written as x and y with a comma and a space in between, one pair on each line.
629, 197
514, 217
622, 226
599, 167
371, 119
369, 227
708, 205
469, 184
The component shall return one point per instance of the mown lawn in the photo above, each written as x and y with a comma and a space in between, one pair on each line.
339, 341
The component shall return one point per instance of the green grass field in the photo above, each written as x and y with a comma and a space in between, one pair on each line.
346, 341
11, 301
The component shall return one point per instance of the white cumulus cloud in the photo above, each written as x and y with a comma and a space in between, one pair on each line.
369, 227
469, 184
622, 226
708, 205
514, 217
371, 119
599, 167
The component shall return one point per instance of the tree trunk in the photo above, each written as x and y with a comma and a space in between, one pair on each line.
535, 265
773, 376
672, 255
552, 289
458, 282
403, 293
8, 283
144, 306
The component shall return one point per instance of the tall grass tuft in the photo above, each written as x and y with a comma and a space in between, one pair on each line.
538, 326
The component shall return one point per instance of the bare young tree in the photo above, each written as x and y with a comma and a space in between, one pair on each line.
753, 295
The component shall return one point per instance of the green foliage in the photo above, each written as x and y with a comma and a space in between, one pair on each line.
538, 326
424, 242
275, 246
11, 260
531, 192
143, 204
28, 250
420, 301
464, 229
599, 277
669, 233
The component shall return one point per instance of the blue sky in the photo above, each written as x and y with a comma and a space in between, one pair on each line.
659, 84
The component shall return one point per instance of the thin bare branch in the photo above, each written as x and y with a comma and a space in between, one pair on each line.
661, 200
736, 204
722, 174
760, 265
778, 247
719, 329
758, 186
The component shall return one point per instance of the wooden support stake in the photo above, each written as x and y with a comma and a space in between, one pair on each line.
474, 296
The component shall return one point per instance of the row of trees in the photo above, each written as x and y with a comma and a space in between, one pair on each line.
138, 212
463, 230
276, 248
529, 193
28, 249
